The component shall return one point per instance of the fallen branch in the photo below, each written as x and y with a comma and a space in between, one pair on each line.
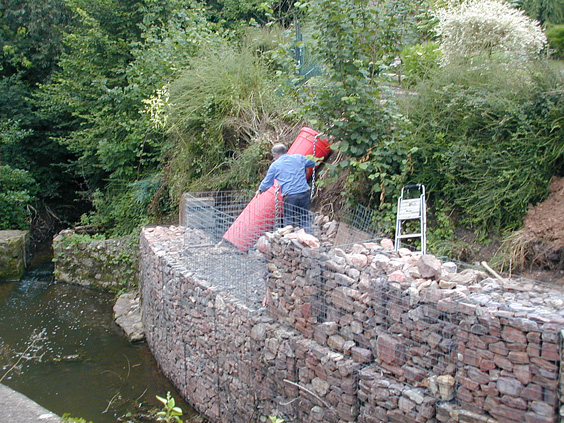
35, 338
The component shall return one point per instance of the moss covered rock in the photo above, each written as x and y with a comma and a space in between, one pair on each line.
95, 262
12, 254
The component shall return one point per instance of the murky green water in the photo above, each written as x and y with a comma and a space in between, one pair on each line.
88, 368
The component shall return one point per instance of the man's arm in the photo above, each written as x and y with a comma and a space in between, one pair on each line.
309, 162
268, 180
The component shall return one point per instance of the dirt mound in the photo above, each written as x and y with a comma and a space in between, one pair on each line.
537, 250
544, 227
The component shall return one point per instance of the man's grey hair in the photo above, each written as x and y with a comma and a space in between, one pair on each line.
279, 149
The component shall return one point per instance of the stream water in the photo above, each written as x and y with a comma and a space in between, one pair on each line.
87, 367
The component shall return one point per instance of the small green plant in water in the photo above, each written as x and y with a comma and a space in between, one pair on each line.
274, 419
67, 418
171, 412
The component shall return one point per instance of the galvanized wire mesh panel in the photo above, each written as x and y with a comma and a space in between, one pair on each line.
223, 227
356, 225
357, 310
231, 268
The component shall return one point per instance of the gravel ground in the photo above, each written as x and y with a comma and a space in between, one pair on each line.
241, 275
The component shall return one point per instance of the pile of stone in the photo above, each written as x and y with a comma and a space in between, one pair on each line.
432, 334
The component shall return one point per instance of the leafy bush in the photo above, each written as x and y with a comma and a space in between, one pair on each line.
124, 207
356, 45
17, 192
487, 28
487, 140
419, 61
108, 91
555, 35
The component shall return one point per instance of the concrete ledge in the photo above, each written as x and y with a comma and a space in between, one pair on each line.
17, 407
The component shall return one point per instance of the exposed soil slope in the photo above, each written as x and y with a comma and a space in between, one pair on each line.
544, 227
541, 241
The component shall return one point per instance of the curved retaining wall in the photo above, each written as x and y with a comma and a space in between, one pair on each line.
364, 335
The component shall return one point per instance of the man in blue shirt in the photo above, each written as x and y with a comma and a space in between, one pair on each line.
290, 171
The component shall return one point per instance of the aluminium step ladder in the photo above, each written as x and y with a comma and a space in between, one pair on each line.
412, 207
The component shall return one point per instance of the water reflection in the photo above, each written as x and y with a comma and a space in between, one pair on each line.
88, 368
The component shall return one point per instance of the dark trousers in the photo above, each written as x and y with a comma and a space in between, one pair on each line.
296, 211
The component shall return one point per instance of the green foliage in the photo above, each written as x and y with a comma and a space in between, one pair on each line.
356, 42
76, 239
275, 419
419, 61
17, 189
244, 167
442, 238
121, 208
555, 35
117, 60
488, 141
544, 11
67, 418
92, 87
31, 40
225, 102
239, 14
17, 186
234, 13
171, 412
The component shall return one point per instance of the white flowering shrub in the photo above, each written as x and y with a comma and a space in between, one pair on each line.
487, 28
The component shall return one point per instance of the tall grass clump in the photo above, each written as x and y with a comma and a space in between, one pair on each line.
488, 138
227, 102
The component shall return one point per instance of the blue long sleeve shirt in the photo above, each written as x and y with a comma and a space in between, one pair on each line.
289, 170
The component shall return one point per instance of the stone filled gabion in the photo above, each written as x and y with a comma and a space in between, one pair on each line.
355, 334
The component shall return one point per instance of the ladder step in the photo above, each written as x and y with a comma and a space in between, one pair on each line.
408, 236
404, 218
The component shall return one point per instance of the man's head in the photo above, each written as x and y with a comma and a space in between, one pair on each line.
278, 150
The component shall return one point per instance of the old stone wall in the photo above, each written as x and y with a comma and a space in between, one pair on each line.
362, 334
97, 263
13, 255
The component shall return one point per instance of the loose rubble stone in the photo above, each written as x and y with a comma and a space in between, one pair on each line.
127, 315
429, 266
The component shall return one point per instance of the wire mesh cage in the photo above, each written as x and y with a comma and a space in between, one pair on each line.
222, 229
358, 224
409, 329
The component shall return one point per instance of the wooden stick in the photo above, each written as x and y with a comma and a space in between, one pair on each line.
493, 272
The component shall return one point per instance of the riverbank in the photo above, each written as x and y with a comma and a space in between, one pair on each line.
17, 407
